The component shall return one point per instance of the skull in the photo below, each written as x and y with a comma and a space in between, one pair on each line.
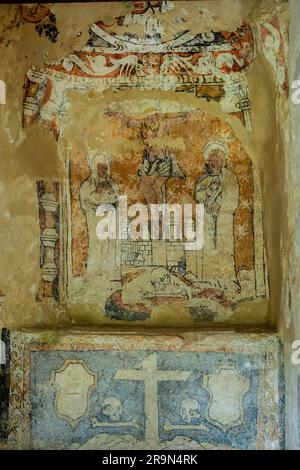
112, 408
189, 410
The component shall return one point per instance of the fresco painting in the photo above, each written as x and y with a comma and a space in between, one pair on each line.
175, 158
168, 153
154, 342
133, 392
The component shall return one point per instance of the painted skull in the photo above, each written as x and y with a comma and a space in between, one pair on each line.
189, 410
112, 408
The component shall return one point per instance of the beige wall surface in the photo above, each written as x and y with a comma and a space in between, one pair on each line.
97, 85
31, 154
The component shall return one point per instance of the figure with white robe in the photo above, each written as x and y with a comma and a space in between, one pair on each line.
218, 190
98, 189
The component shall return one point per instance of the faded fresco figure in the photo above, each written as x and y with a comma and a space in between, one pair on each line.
158, 166
152, 126
98, 189
218, 190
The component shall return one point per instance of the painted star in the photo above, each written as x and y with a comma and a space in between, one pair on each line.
117, 177
247, 205
170, 193
241, 230
131, 177
190, 186
244, 178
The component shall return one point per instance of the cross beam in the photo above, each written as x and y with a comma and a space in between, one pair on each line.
150, 375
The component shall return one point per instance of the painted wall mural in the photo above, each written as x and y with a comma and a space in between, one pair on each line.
2, 300
49, 217
212, 65
39, 15
156, 145
274, 45
152, 108
179, 157
43, 19
80, 392
4, 382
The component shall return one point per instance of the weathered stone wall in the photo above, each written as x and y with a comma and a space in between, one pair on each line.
68, 108
290, 325
32, 155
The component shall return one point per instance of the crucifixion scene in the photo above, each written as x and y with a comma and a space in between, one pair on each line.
166, 157
149, 213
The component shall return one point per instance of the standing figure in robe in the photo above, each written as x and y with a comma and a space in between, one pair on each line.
158, 166
98, 189
218, 190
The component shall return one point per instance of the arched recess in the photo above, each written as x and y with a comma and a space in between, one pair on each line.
145, 93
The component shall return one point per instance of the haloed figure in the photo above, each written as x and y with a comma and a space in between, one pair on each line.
218, 190
98, 189
158, 166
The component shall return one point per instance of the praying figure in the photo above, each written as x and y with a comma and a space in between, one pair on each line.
218, 190
98, 189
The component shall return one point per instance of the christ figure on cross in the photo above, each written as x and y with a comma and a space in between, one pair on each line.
153, 125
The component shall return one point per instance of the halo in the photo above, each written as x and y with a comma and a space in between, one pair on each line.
93, 158
215, 145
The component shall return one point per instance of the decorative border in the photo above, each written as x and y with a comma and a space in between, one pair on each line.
49, 219
4, 385
124, 61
